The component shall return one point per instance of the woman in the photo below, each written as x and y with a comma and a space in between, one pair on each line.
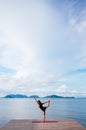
43, 108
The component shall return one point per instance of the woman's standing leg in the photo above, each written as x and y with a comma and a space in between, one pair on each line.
44, 116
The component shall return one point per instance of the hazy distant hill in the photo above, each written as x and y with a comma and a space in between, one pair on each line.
20, 96
16, 96
53, 96
56, 96
33, 96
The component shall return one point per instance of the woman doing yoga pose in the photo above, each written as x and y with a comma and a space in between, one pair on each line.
43, 108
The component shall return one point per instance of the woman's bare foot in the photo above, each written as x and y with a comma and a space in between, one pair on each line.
44, 119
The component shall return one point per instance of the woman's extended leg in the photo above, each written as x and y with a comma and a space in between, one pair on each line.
48, 104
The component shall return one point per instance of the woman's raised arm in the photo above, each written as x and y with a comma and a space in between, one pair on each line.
36, 101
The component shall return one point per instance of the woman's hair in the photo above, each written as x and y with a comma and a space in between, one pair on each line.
39, 102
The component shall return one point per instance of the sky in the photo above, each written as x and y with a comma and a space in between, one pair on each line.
43, 47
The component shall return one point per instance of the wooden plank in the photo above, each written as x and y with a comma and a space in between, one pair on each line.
59, 125
18, 125
40, 125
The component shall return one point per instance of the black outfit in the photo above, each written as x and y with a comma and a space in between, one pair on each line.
41, 107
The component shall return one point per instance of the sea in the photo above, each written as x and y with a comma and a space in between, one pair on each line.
26, 108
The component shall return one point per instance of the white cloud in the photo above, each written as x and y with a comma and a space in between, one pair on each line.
66, 91
82, 26
77, 17
72, 21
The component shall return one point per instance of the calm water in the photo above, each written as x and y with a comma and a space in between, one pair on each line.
27, 109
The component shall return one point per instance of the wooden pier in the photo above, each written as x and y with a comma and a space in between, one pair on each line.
40, 125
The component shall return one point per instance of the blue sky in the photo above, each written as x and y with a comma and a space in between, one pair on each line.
43, 47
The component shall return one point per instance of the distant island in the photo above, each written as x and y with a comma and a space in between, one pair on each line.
16, 96
53, 96
56, 96
33, 96
20, 96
